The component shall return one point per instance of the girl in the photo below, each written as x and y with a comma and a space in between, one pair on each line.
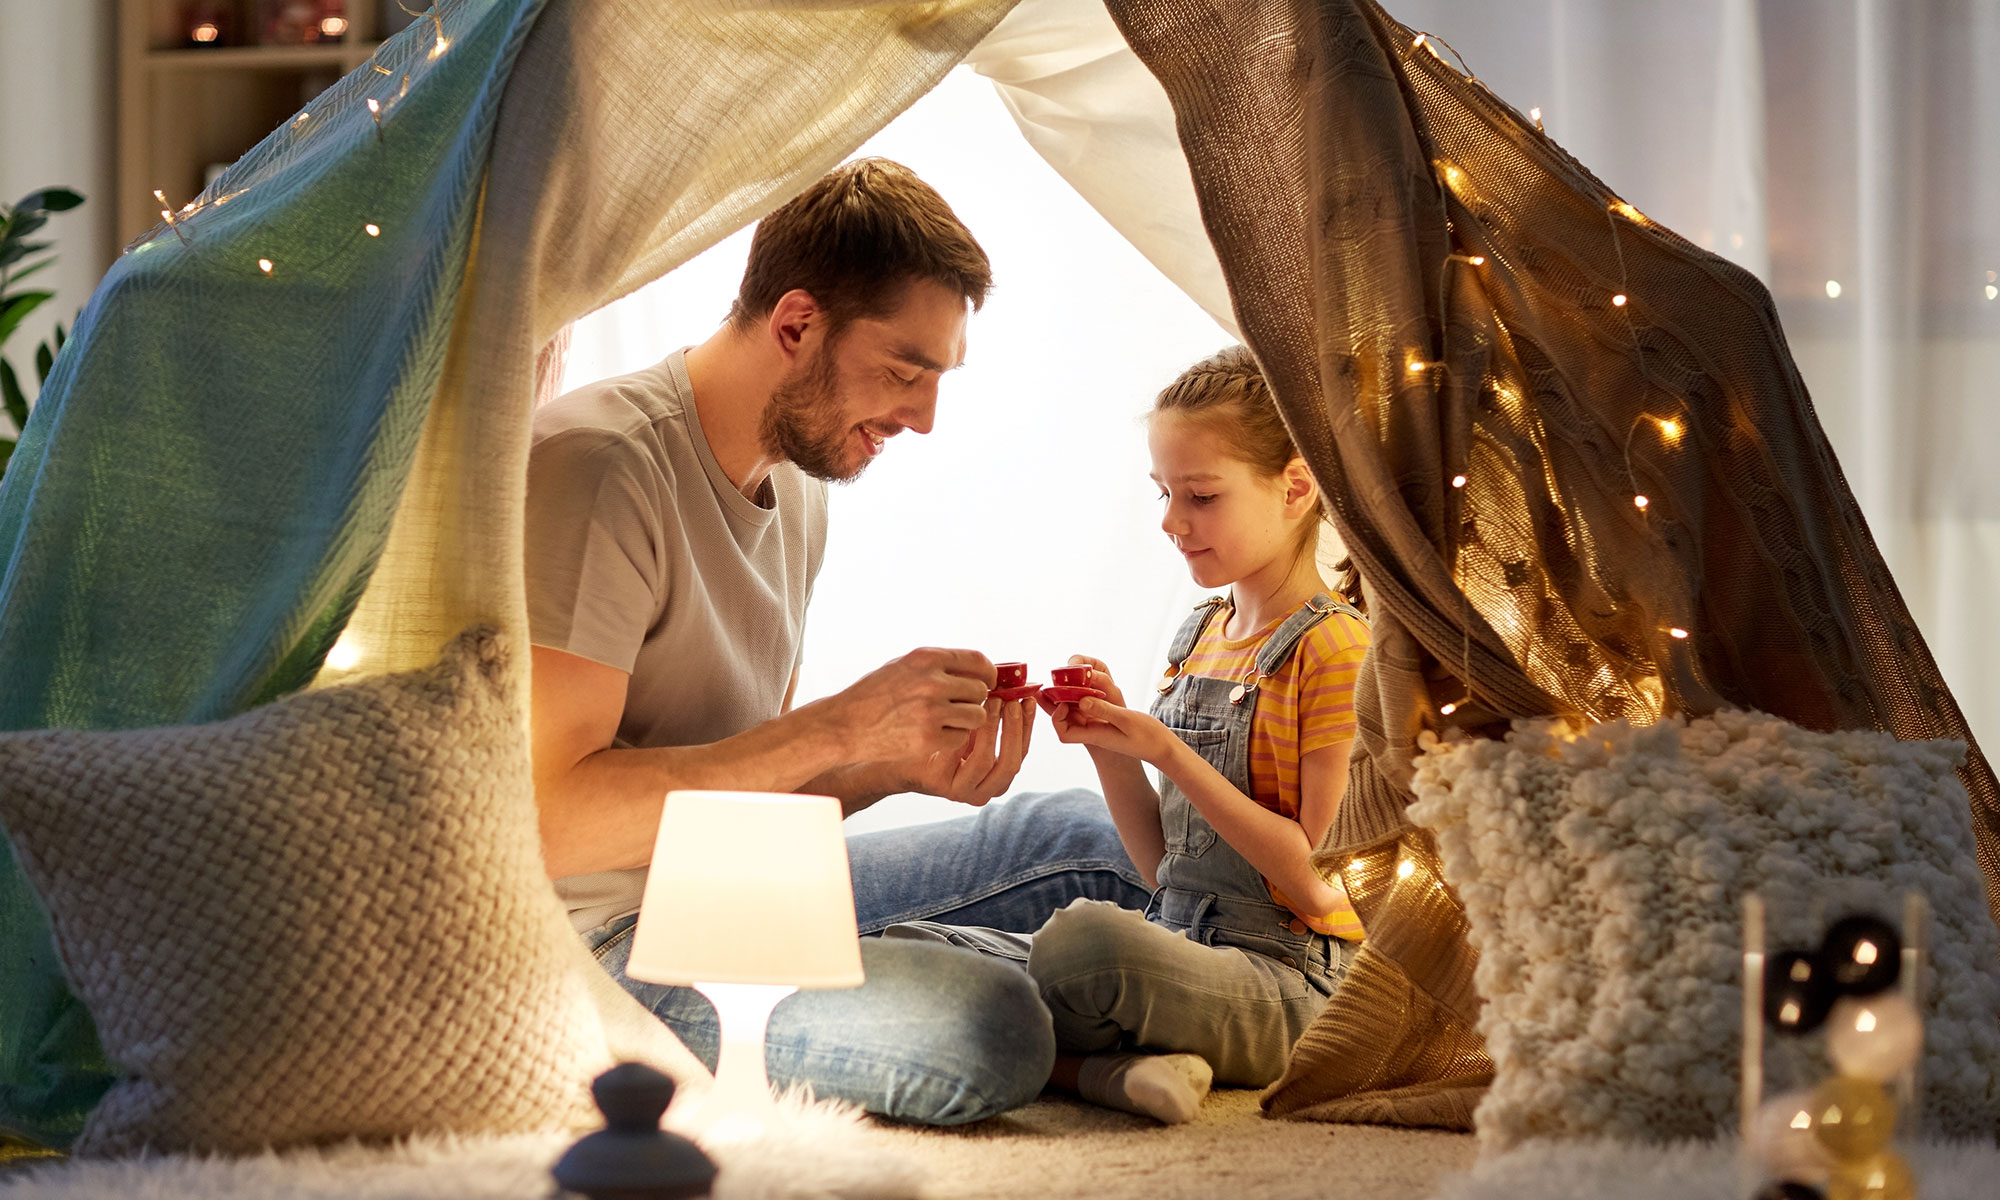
1242, 940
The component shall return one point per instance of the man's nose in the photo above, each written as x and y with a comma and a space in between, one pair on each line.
921, 416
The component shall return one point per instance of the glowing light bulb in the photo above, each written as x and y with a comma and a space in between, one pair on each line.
1458, 481
1992, 293
1405, 869
1833, 289
264, 265
333, 26
374, 106
1356, 865
1993, 276
346, 653
1447, 710
1618, 301
1627, 211
1678, 632
1670, 429
1535, 115
1418, 366
1479, 260
205, 32
1419, 43
373, 229
1640, 502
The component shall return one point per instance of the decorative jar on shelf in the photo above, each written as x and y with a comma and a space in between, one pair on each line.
208, 23
300, 22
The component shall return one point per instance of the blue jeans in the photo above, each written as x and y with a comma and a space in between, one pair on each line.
938, 1035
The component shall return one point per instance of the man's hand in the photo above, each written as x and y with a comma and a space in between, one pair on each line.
928, 702
983, 766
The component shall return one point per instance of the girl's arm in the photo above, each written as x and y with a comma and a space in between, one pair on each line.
1131, 797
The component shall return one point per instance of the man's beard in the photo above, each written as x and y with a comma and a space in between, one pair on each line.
806, 421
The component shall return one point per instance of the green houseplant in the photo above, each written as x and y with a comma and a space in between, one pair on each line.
20, 258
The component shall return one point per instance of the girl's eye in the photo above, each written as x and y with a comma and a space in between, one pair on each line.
1198, 499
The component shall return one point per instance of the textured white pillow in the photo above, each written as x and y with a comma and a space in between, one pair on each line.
325, 918
1602, 873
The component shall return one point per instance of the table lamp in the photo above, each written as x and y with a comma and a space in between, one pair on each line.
748, 900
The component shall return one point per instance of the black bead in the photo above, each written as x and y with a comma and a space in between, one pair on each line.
1788, 1189
1864, 955
633, 1158
1798, 992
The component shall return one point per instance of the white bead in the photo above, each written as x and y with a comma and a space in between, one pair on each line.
1782, 1141
1874, 1037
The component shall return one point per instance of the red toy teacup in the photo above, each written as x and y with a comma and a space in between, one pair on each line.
1009, 675
1077, 677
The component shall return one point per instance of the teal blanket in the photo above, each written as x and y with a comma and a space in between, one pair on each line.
211, 471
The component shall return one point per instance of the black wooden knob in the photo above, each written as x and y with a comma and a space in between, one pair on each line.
632, 1158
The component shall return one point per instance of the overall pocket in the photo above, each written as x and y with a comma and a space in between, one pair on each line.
1186, 832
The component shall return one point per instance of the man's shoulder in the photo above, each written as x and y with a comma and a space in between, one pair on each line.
621, 418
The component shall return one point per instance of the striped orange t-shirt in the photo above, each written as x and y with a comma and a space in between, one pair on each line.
1308, 705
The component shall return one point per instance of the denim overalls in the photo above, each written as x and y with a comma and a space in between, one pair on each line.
1206, 889
1214, 967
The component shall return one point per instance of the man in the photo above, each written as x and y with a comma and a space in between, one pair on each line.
676, 521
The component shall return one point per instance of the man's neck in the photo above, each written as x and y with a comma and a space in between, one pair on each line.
732, 386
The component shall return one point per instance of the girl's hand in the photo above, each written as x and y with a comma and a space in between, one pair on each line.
1102, 725
1100, 677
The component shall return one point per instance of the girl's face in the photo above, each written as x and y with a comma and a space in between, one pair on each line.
1228, 521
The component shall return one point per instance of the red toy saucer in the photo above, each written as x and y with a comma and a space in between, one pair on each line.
1014, 693
1070, 695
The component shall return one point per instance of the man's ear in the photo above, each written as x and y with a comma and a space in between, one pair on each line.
795, 323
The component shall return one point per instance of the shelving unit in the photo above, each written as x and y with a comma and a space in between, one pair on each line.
181, 109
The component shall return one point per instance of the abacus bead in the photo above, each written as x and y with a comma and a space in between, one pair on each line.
1874, 1037
1782, 1141
1863, 955
1884, 1177
1797, 992
1853, 1118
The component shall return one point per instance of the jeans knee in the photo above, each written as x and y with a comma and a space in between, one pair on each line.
1012, 1043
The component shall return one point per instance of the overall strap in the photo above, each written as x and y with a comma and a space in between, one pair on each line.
1190, 633
1279, 646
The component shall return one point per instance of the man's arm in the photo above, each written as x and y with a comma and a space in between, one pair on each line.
599, 807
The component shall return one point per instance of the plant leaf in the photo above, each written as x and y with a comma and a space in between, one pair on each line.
45, 361
6, 452
54, 199
61, 337
30, 269
12, 251
25, 223
16, 308
10, 395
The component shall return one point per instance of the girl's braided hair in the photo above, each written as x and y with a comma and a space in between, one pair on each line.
1228, 394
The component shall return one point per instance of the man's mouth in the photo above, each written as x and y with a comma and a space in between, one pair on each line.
871, 441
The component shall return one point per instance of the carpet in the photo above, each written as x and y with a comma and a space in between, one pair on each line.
1052, 1148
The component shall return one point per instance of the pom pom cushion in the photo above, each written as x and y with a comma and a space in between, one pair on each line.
324, 918
1603, 874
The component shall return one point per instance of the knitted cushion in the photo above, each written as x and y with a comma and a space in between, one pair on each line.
1603, 875
324, 918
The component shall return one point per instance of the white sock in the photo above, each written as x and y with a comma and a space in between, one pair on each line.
1166, 1087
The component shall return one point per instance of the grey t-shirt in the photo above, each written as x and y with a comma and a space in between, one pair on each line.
643, 556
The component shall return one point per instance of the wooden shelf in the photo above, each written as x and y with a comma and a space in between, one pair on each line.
183, 108
322, 54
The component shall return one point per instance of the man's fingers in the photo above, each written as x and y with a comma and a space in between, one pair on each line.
970, 664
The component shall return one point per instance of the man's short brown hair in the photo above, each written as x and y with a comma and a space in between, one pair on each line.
855, 240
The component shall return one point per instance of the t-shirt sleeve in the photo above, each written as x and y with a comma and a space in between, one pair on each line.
1330, 663
595, 568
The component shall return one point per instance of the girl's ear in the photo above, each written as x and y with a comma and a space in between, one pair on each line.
1301, 490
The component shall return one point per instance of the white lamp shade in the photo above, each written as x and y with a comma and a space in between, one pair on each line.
748, 887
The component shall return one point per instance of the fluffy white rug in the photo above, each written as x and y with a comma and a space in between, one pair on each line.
1593, 1170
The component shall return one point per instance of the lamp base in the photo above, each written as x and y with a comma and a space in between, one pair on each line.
743, 1011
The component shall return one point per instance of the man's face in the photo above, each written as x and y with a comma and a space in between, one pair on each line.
874, 379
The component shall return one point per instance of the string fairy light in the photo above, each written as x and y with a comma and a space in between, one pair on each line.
375, 112
1678, 633
167, 215
1641, 501
1833, 289
1535, 115
1458, 481
1618, 301
372, 229
264, 265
